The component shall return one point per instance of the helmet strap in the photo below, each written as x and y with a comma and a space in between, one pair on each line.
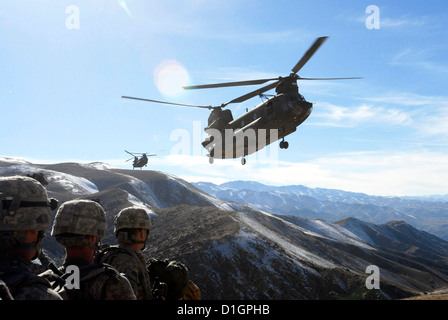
15, 240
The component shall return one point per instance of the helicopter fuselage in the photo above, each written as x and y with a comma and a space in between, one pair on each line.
140, 162
266, 123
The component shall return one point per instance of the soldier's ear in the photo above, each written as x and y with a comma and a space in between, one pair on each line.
31, 235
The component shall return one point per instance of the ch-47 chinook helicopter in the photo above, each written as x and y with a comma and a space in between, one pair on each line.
139, 162
272, 120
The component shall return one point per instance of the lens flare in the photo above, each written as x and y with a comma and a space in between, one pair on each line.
170, 76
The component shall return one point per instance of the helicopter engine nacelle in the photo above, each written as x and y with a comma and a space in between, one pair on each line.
219, 118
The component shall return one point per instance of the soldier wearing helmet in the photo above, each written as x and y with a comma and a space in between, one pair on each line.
131, 228
79, 226
25, 214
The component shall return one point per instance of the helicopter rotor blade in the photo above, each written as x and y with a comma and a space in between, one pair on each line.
300, 78
171, 103
129, 152
311, 51
252, 94
230, 84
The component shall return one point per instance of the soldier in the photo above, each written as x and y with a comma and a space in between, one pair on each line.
131, 228
79, 225
25, 214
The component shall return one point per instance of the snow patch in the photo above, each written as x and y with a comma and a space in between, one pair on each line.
74, 184
144, 191
98, 166
14, 160
138, 203
286, 245
337, 233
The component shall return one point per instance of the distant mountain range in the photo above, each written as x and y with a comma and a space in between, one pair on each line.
426, 213
237, 249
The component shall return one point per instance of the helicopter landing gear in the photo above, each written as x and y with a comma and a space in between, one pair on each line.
284, 144
243, 161
210, 160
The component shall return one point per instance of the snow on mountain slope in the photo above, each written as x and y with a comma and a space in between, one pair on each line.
71, 180
330, 230
74, 184
236, 251
290, 247
334, 205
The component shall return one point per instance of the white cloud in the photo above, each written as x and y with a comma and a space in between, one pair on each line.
332, 115
403, 21
383, 173
376, 173
408, 99
435, 124
420, 58
429, 113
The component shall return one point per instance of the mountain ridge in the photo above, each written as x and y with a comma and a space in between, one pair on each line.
332, 205
236, 251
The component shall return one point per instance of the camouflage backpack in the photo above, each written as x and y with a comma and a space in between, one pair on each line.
108, 254
96, 274
174, 274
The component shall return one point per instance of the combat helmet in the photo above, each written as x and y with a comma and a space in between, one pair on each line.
24, 204
78, 218
130, 218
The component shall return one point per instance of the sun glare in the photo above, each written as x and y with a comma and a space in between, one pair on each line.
170, 76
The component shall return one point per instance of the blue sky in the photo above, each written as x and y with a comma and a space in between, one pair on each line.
66, 64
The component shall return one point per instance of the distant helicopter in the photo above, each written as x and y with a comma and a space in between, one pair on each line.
139, 162
273, 119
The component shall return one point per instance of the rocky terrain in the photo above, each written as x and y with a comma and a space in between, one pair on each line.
238, 251
428, 213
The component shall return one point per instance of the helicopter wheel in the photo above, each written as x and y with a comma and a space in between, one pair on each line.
243, 161
284, 144
210, 160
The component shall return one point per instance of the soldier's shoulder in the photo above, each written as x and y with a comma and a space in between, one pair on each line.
111, 253
38, 292
29, 286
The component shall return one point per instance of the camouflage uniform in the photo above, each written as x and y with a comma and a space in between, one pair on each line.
126, 260
74, 220
132, 265
24, 206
